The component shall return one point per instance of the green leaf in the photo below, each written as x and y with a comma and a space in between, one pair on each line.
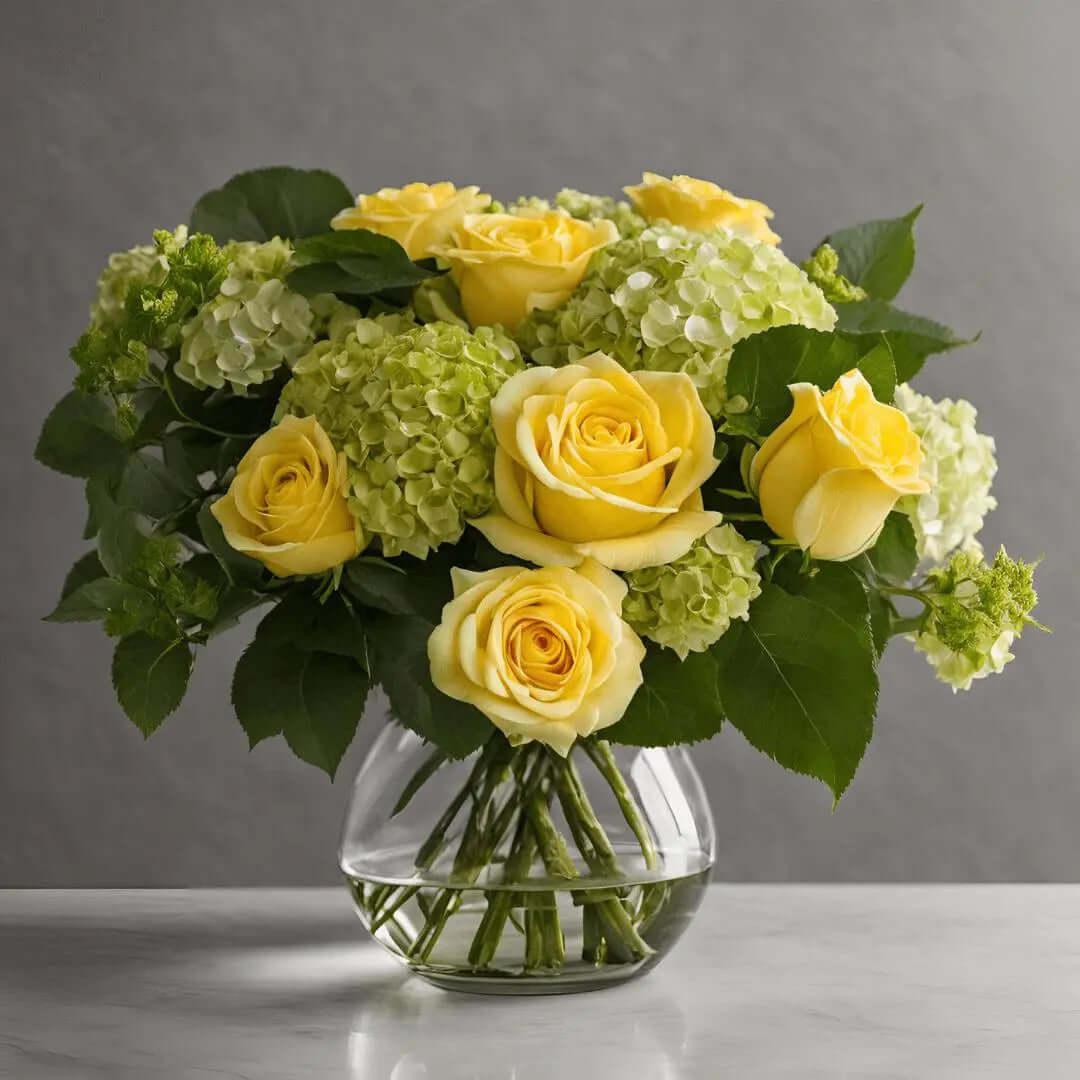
86, 569
911, 338
679, 702
314, 699
763, 365
233, 605
240, 570
798, 680
880, 371
302, 622
881, 619
355, 262
894, 555
401, 587
150, 677
833, 586
264, 203
333, 690
148, 486
350, 243
81, 437
399, 649
878, 255
119, 540
97, 599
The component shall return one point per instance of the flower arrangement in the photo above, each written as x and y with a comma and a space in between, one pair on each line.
558, 476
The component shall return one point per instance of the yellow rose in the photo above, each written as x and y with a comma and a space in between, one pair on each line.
594, 462
544, 654
700, 204
418, 216
286, 505
828, 476
508, 264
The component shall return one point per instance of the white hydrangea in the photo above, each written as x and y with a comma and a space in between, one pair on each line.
960, 669
253, 326
959, 464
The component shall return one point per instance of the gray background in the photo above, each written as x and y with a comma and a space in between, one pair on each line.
117, 116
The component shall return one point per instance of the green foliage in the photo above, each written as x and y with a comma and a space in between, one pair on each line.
911, 338
354, 262
798, 680
277, 201
240, 569
303, 677
115, 356
763, 366
894, 556
82, 437
150, 677
398, 645
877, 256
679, 702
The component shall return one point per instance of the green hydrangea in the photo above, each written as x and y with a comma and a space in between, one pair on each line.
160, 292
134, 268
255, 324
411, 407
975, 612
675, 300
587, 207
959, 464
689, 603
823, 269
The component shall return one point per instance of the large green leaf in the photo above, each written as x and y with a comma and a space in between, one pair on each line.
81, 437
878, 255
314, 699
399, 649
404, 586
264, 203
97, 599
679, 702
798, 680
764, 365
120, 542
355, 263
302, 622
150, 677
911, 338
148, 486
879, 370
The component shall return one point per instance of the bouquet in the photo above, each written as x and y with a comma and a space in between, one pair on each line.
559, 476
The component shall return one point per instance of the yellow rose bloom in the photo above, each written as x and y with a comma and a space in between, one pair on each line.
828, 476
544, 654
592, 461
286, 505
418, 216
508, 264
700, 204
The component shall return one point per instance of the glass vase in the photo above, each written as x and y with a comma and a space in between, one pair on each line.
516, 871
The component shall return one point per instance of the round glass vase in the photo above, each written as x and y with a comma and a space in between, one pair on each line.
517, 871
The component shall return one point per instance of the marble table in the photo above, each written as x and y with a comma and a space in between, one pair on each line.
771, 981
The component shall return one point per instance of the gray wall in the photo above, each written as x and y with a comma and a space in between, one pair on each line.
116, 116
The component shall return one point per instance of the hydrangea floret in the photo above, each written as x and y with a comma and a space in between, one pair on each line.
688, 604
587, 207
675, 300
975, 612
141, 265
959, 464
411, 408
823, 269
254, 325
160, 288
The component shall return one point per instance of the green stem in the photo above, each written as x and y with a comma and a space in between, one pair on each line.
602, 756
190, 421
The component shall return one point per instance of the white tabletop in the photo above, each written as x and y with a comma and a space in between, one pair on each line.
784, 981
